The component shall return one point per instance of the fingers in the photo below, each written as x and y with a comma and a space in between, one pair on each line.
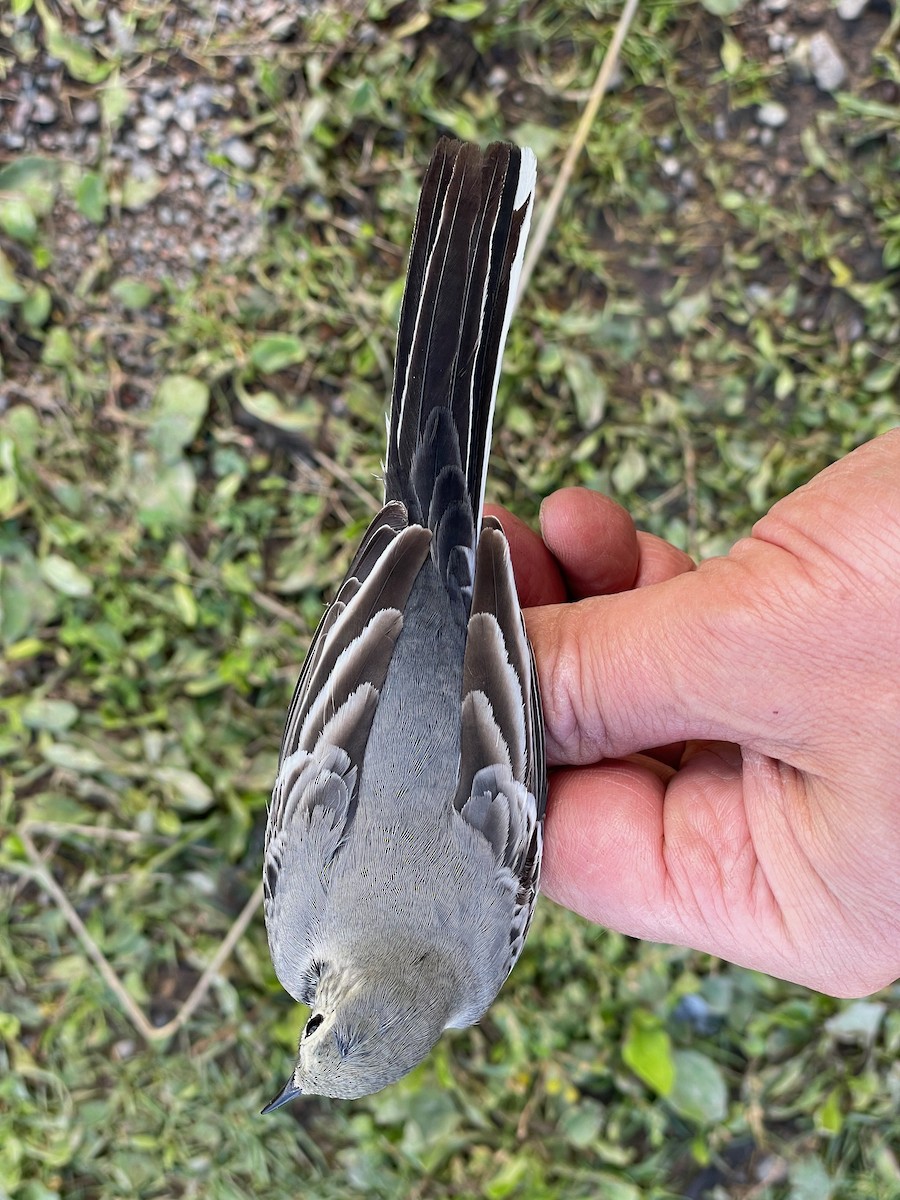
668, 860
538, 576
588, 547
714, 857
621, 674
742, 649
659, 560
593, 539
643, 854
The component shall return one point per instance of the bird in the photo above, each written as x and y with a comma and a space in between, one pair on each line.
403, 840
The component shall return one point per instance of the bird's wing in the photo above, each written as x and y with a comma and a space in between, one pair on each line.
328, 725
503, 774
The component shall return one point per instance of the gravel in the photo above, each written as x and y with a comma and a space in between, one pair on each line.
187, 135
851, 10
772, 114
826, 64
240, 153
150, 139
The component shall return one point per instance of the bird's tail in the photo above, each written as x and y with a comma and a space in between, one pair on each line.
464, 268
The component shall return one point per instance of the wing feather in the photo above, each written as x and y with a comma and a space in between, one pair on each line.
326, 734
502, 788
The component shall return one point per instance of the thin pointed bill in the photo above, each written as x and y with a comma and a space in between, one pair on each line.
287, 1093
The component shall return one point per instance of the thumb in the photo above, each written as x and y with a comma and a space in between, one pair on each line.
623, 673
748, 648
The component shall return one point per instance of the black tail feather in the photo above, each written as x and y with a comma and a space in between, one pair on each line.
463, 270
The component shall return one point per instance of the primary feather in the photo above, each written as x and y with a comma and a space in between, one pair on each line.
403, 843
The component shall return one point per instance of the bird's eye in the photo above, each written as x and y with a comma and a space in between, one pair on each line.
313, 1024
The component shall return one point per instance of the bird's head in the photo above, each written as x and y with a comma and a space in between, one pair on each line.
360, 1045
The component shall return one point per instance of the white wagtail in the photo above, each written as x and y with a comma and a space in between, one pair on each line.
403, 845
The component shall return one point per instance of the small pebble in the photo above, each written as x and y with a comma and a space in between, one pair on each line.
826, 64
758, 293
186, 119
240, 153
206, 177
851, 10
44, 111
86, 112
122, 33
772, 114
147, 132
178, 142
670, 167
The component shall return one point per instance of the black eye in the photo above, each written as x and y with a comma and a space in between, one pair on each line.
313, 1024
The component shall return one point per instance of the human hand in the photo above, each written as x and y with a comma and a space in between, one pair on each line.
774, 839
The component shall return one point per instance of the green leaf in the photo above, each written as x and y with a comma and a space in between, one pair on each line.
810, 1180
132, 293
139, 190
186, 604
883, 377
59, 349
179, 406
17, 219
10, 1026
36, 306
588, 389
858, 1022
629, 472
509, 1179
164, 494
699, 1091
647, 1050
26, 602
33, 178
829, 1116
91, 197
731, 54
189, 792
63, 576
722, 8
9, 493
115, 101
461, 10
277, 351
80, 759
55, 715
689, 311
267, 407
11, 291
583, 1123
75, 54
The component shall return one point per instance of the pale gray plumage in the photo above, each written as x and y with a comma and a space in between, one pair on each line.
404, 836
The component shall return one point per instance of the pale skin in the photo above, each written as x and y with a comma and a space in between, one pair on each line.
767, 828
